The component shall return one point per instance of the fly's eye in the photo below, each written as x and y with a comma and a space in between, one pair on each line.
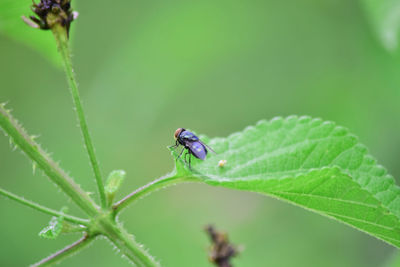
177, 132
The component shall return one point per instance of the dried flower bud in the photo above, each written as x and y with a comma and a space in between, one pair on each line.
51, 12
221, 250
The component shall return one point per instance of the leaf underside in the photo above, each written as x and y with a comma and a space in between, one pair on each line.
311, 163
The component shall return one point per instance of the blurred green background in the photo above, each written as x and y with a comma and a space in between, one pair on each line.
147, 68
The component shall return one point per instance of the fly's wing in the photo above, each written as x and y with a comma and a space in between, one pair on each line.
197, 149
208, 147
189, 136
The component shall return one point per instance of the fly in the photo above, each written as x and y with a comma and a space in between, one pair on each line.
191, 143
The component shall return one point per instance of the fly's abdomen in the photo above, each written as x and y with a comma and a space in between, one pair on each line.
198, 150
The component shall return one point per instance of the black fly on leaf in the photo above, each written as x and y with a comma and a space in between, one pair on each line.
191, 143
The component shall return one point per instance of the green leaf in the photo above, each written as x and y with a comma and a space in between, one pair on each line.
55, 227
311, 163
384, 16
114, 181
11, 25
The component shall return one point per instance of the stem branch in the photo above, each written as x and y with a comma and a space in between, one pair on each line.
32, 149
169, 179
43, 209
60, 34
65, 252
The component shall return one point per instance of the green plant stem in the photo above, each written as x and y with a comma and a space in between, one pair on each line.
60, 35
65, 252
43, 209
133, 250
21, 139
127, 245
169, 179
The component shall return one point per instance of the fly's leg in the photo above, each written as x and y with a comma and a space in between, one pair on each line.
174, 146
190, 160
180, 154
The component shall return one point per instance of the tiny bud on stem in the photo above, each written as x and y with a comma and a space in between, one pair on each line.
50, 13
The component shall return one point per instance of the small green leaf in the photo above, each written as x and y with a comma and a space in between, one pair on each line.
55, 227
310, 163
114, 181
12, 25
384, 16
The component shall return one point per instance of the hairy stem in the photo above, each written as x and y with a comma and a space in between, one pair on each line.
169, 179
43, 209
65, 252
127, 245
32, 149
60, 35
